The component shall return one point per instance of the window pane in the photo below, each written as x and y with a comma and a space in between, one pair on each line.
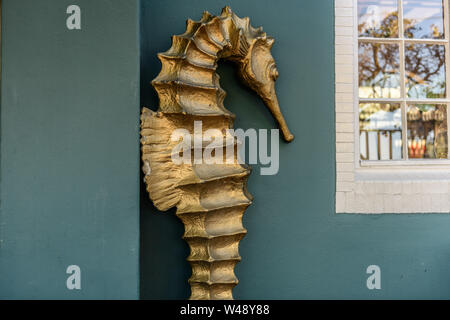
378, 18
425, 71
423, 19
379, 70
380, 131
427, 132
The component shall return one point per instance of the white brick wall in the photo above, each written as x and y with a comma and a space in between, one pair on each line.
354, 192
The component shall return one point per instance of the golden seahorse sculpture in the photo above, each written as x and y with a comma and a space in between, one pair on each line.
210, 198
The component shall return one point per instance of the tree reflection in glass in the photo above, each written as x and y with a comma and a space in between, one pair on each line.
379, 70
425, 71
378, 19
423, 19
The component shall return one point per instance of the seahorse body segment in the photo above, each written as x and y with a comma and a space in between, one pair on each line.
210, 198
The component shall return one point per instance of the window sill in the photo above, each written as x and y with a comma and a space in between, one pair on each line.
433, 163
403, 170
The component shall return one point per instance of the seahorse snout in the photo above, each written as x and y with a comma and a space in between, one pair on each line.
273, 106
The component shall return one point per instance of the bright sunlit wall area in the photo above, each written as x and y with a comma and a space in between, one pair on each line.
392, 79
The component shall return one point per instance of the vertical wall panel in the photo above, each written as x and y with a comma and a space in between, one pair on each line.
69, 149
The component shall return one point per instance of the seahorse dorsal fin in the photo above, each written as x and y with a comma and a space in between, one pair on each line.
226, 11
206, 16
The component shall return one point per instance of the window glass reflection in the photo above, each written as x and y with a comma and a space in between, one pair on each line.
423, 19
427, 132
378, 18
425, 71
380, 131
379, 70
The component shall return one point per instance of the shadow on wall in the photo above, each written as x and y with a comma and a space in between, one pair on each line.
162, 266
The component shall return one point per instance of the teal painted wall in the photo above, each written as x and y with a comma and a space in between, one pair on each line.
70, 164
296, 246
69, 149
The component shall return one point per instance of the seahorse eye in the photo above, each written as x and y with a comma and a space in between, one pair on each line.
273, 72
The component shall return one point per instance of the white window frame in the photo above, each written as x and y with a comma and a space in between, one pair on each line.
403, 101
381, 186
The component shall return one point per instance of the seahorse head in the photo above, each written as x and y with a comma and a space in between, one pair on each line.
257, 66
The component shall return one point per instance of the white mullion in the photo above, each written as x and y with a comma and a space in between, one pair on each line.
357, 154
395, 40
427, 101
379, 40
402, 80
426, 41
404, 131
447, 64
380, 100
407, 100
